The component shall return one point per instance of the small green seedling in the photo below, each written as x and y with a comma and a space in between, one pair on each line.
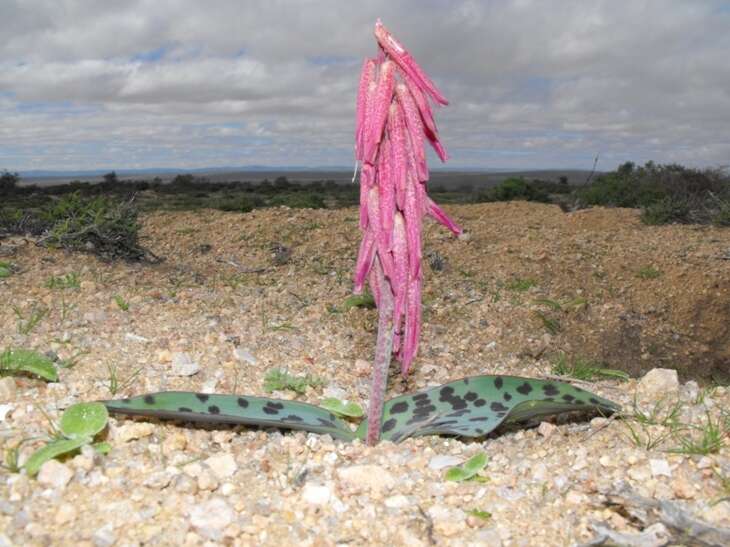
79, 425
5, 269
27, 324
359, 301
13, 361
478, 513
279, 380
468, 470
341, 408
582, 369
123, 304
68, 281
648, 272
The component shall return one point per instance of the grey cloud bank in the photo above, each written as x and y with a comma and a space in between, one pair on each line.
532, 84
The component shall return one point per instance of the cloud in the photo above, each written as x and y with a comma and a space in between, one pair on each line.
531, 83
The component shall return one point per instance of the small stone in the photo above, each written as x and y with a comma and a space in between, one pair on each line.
718, 514
223, 465
683, 489
660, 468
183, 365
174, 442
164, 356
209, 518
575, 498
442, 462
55, 474
397, 501
362, 367
130, 432
66, 513
606, 461
546, 429
705, 463
5, 411
447, 521
207, 480
104, 536
639, 473
316, 494
658, 383
8, 389
367, 477
244, 355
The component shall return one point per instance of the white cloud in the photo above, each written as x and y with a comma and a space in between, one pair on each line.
531, 83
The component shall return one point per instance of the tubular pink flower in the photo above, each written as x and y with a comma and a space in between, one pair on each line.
379, 110
399, 282
400, 55
413, 325
415, 128
364, 263
427, 116
366, 77
413, 216
386, 192
437, 213
399, 155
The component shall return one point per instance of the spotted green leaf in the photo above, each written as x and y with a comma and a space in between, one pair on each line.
470, 407
475, 406
24, 360
52, 450
233, 409
83, 420
350, 409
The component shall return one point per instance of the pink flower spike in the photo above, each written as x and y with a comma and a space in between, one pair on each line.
366, 77
379, 110
437, 213
398, 53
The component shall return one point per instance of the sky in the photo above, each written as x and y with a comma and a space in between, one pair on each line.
191, 84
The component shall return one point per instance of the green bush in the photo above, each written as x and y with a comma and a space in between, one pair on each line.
240, 204
8, 182
102, 225
667, 210
511, 189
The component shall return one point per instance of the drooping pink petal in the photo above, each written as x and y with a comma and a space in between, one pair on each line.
415, 128
366, 133
379, 111
367, 179
364, 263
399, 282
375, 224
413, 215
413, 325
400, 55
386, 191
424, 109
397, 132
437, 213
366, 77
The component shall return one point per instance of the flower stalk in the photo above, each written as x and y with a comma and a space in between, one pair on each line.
394, 120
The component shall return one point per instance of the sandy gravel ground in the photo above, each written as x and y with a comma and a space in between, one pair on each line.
240, 294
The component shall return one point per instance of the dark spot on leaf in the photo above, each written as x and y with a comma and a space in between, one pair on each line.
125, 401
580, 402
424, 410
149, 399
501, 414
202, 397
550, 389
524, 389
445, 393
479, 419
423, 402
214, 409
272, 408
243, 403
458, 413
326, 423
446, 422
551, 399
389, 424
420, 397
497, 407
292, 418
399, 408
466, 381
568, 398
184, 409
498, 382
594, 401
507, 396
480, 402
471, 396
479, 431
